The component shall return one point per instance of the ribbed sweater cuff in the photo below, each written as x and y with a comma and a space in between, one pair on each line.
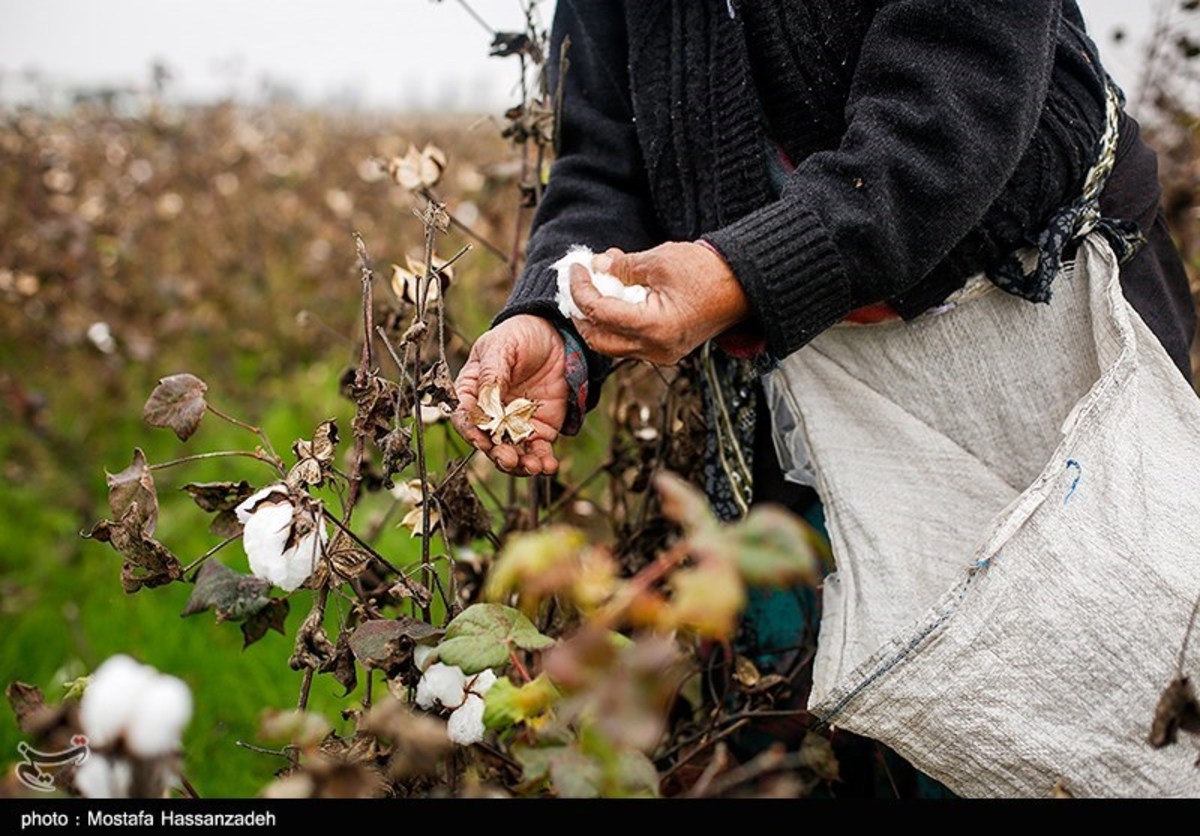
790, 270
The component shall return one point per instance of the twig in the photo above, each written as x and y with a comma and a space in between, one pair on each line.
216, 454
475, 16
284, 753
187, 785
210, 553
258, 431
365, 545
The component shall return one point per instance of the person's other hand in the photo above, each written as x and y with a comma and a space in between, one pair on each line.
524, 356
693, 297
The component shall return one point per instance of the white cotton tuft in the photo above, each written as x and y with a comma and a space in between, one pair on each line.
465, 726
110, 701
606, 283
441, 684
164, 708
481, 682
423, 656
101, 777
267, 527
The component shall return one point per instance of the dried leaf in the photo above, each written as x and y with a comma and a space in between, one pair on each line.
305, 472
313, 648
342, 664
225, 524
177, 403
744, 672
376, 402
467, 518
398, 454
492, 416
29, 705
388, 644
134, 486
324, 441
418, 169
1177, 709
414, 521
436, 387
348, 560
218, 496
270, 617
232, 595
147, 562
483, 635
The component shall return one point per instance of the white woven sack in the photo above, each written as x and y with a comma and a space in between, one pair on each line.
1013, 496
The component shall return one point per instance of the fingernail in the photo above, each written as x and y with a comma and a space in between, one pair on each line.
602, 263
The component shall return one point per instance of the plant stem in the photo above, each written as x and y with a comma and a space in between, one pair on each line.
210, 553
216, 454
512, 654
258, 431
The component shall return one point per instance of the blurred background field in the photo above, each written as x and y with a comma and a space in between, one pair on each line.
142, 236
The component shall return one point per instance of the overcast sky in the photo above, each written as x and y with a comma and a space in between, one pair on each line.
409, 54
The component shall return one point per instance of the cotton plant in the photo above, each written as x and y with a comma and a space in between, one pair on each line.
133, 717
447, 687
283, 539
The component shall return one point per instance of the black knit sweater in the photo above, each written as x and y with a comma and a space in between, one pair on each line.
930, 138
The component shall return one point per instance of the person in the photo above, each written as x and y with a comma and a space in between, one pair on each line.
771, 169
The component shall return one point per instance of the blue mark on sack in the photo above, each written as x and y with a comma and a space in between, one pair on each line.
1072, 464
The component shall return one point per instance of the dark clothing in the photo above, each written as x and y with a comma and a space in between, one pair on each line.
931, 139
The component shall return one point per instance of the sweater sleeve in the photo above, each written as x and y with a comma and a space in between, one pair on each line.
944, 101
597, 194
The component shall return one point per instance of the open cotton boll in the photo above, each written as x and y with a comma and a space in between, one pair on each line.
163, 709
423, 656
110, 701
465, 725
442, 684
101, 777
606, 283
268, 518
481, 682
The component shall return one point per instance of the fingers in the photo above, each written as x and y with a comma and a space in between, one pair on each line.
467, 389
628, 267
607, 312
544, 452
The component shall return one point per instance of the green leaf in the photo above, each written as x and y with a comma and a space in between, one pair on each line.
483, 635
773, 547
571, 773
636, 776
505, 704
231, 594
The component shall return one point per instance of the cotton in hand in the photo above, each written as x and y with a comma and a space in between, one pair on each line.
606, 283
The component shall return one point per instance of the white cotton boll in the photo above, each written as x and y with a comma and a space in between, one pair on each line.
466, 723
441, 684
101, 777
110, 700
481, 682
423, 656
298, 562
264, 538
164, 707
606, 283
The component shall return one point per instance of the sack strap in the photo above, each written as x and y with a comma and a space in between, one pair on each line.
1074, 221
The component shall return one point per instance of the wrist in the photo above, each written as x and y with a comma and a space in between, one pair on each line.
729, 303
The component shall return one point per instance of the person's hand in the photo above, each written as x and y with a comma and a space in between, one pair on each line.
524, 356
693, 297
